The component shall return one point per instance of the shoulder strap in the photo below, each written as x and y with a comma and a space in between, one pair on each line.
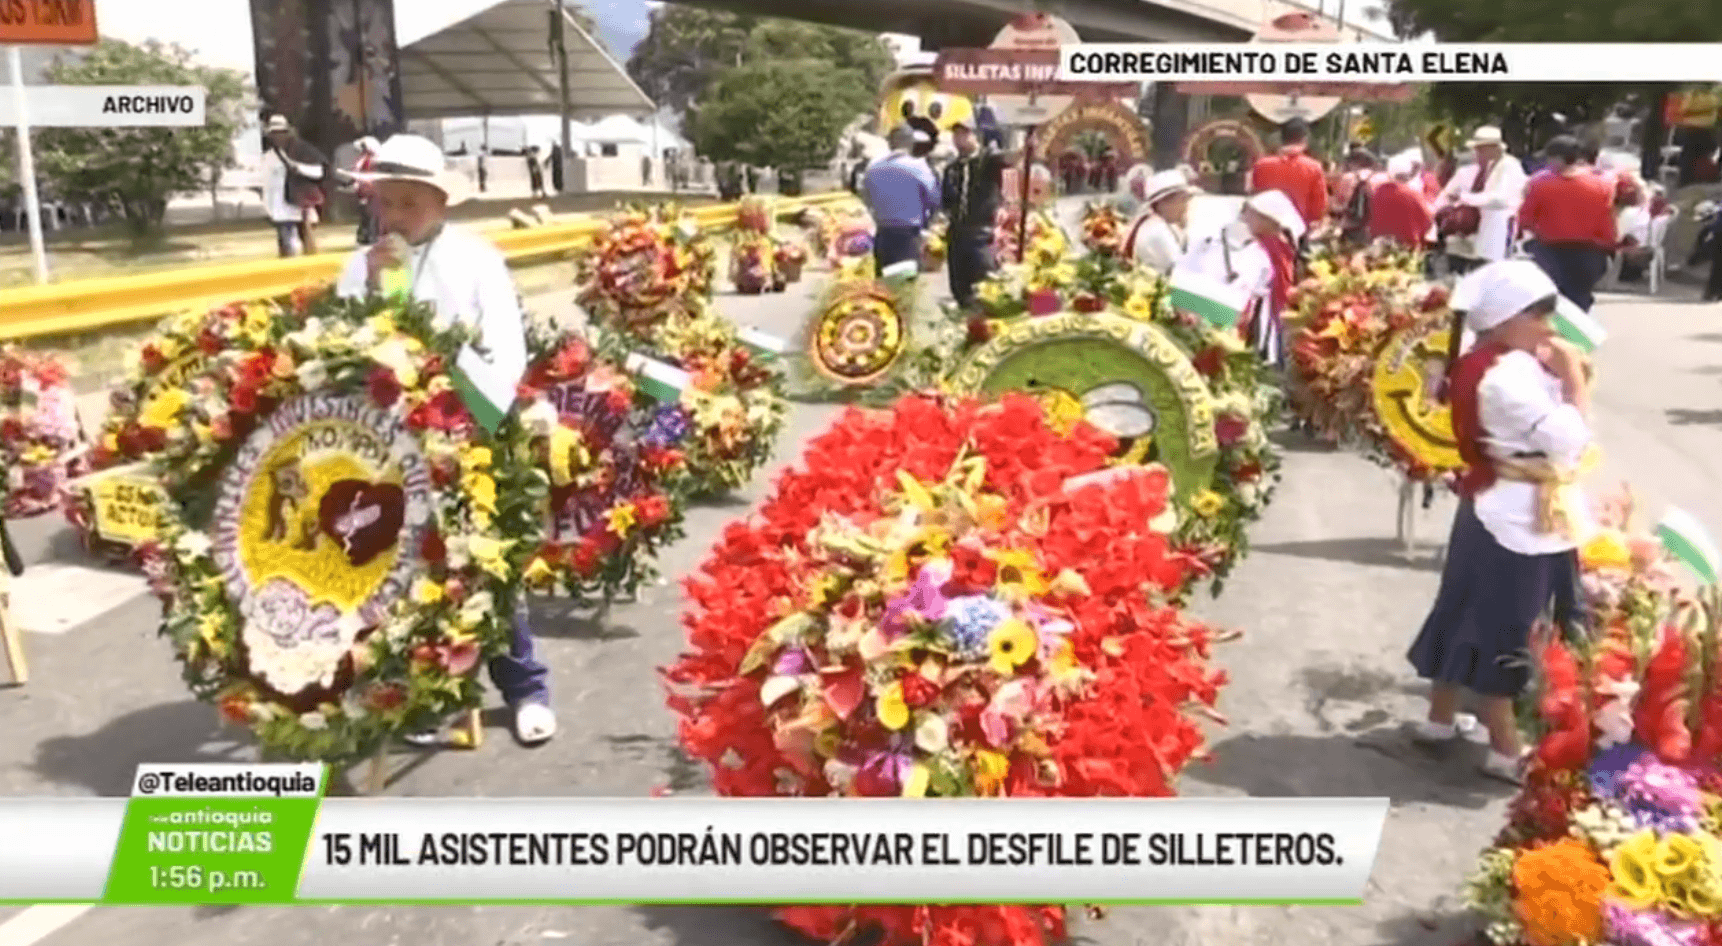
1484, 172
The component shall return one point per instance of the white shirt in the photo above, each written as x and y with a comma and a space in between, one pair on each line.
1521, 410
466, 280
1635, 222
1251, 268
1155, 243
275, 201
1498, 203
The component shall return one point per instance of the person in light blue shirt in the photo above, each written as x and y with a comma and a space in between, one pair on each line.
903, 195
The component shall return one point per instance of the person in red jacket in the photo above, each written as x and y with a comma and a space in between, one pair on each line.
1398, 209
1570, 216
1294, 173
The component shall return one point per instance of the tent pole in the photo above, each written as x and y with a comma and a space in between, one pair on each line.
562, 70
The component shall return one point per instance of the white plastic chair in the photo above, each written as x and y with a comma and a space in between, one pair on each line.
1658, 268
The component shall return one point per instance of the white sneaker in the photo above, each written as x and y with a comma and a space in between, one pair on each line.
1464, 725
1471, 728
534, 723
1509, 769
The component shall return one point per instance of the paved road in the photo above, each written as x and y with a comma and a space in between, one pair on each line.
1319, 683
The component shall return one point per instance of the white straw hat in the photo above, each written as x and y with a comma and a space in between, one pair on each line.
1164, 185
277, 123
1485, 135
1279, 208
414, 158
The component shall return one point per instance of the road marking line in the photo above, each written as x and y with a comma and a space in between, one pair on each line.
39, 922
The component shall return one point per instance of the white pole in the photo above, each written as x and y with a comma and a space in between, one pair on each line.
27, 165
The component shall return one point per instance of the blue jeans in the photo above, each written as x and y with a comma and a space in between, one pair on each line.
1575, 269
519, 675
892, 245
287, 238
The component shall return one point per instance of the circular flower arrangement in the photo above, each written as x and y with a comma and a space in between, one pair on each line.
644, 266
728, 419
1215, 530
859, 332
938, 606
610, 504
344, 543
1103, 227
41, 438
1616, 836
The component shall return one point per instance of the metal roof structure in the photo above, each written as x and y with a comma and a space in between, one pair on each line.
498, 62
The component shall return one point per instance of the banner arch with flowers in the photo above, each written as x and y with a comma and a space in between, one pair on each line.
944, 600
344, 542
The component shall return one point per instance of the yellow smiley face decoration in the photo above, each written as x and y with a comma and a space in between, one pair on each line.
1405, 388
912, 93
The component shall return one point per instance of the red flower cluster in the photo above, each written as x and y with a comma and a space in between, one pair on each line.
1126, 735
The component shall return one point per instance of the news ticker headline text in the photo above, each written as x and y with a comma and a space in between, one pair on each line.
265, 834
1390, 62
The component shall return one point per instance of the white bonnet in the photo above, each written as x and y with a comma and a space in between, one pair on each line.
1495, 293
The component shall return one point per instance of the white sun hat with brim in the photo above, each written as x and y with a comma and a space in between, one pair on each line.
1164, 185
1402, 166
1485, 135
1277, 207
415, 158
1491, 295
277, 123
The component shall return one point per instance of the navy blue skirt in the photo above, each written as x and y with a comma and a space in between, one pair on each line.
1478, 633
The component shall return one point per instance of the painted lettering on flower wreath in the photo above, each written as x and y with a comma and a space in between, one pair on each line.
314, 531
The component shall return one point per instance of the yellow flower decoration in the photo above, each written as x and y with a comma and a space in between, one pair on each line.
1208, 504
1012, 644
1607, 550
1633, 867
475, 458
621, 518
1019, 572
427, 592
538, 573
893, 709
915, 786
1138, 307
1678, 854
487, 552
164, 408
482, 490
567, 449
990, 769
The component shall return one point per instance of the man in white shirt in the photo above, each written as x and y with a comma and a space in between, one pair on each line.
1158, 238
1476, 211
1520, 398
292, 170
466, 280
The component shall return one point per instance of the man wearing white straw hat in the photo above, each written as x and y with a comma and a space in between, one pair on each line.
1158, 237
1476, 210
466, 280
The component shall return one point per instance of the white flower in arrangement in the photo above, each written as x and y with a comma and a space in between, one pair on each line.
313, 374
393, 354
418, 510
398, 630
132, 361
540, 418
314, 721
457, 554
1249, 493
474, 610
1614, 721
193, 544
932, 735
352, 705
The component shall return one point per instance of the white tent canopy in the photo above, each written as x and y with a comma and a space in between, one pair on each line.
498, 62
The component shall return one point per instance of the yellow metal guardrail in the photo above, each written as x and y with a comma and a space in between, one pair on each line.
91, 305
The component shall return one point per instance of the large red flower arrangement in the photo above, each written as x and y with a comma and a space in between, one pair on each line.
948, 599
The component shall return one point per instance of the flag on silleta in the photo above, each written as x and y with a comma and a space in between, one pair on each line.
1687, 540
663, 382
1578, 326
1220, 304
763, 342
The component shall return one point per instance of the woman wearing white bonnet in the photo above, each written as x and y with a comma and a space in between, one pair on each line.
1157, 237
1520, 398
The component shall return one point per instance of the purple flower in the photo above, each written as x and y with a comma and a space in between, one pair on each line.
1652, 928
793, 663
1608, 767
892, 767
926, 598
1659, 795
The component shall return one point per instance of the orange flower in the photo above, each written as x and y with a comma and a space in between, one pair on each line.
1560, 894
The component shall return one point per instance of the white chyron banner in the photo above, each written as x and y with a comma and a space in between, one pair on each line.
1390, 62
769, 851
108, 106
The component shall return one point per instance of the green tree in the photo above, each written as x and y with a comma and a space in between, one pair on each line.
688, 49
787, 115
141, 168
1526, 110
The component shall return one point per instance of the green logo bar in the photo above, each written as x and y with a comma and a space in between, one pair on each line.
194, 838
